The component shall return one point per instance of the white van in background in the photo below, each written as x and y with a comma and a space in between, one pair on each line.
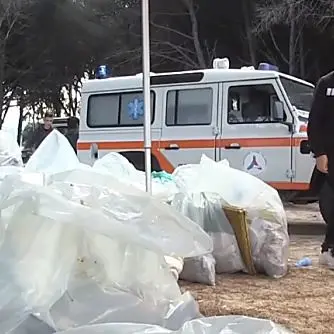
254, 118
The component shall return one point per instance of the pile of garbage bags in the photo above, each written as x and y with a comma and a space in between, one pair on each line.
80, 247
208, 187
84, 250
200, 192
213, 325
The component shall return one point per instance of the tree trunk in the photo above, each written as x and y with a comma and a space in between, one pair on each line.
301, 55
56, 103
20, 124
195, 33
247, 8
2, 79
292, 41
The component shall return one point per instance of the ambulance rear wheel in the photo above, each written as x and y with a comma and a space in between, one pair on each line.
137, 158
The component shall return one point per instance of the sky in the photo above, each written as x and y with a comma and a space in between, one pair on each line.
11, 121
12, 118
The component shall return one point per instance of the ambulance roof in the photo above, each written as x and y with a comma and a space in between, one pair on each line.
179, 78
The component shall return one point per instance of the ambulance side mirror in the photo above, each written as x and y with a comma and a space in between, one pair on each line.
278, 112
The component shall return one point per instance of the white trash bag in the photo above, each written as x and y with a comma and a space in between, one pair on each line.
199, 269
175, 264
119, 167
206, 210
213, 185
214, 325
55, 154
10, 153
88, 249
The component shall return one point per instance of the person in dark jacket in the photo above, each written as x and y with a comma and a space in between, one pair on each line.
72, 134
42, 131
321, 139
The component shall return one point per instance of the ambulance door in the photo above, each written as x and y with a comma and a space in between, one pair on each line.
251, 139
189, 127
113, 121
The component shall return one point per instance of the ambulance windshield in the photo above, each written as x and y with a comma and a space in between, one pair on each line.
299, 94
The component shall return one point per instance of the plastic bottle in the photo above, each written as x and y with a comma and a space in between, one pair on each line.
304, 262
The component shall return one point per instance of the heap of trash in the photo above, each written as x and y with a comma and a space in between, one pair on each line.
85, 250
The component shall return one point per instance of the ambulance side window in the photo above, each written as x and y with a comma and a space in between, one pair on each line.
251, 104
117, 109
189, 107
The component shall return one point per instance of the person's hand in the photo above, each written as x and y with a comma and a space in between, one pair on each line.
322, 164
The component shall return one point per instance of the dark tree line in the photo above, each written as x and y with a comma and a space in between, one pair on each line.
48, 46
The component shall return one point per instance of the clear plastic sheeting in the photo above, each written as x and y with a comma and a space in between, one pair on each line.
199, 269
10, 153
213, 325
53, 155
9, 170
175, 264
80, 247
137, 214
116, 164
206, 210
209, 186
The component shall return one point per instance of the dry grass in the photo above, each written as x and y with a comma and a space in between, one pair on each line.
302, 301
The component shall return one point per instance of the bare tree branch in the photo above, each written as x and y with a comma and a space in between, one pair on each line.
195, 32
278, 50
167, 28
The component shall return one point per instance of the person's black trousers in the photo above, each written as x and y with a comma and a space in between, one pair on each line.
326, 205
323, 185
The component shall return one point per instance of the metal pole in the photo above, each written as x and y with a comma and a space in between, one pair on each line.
147, 94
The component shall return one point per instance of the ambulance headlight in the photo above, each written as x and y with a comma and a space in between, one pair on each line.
102, 72
267, 67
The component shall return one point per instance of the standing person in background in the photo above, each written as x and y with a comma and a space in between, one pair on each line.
42, 131
321, 138
72, 134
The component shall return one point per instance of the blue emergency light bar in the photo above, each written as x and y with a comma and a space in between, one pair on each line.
267, 67
103, 72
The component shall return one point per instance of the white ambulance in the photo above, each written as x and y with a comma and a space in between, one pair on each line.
254, 118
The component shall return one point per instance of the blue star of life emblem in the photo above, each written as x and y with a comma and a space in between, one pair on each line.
136, 108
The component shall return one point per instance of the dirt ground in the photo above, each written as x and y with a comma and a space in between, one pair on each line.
303, 213
302, 301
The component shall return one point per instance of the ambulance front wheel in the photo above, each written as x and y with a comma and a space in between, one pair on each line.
137, 158
297, 197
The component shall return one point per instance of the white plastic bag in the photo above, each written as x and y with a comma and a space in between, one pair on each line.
216, 184
214, 325
185, 175
175, 265
9, 170
91, 249
116, 164
135, 212
119, 167
10, 153
206, 210
199, 269
226, 252
55, 154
